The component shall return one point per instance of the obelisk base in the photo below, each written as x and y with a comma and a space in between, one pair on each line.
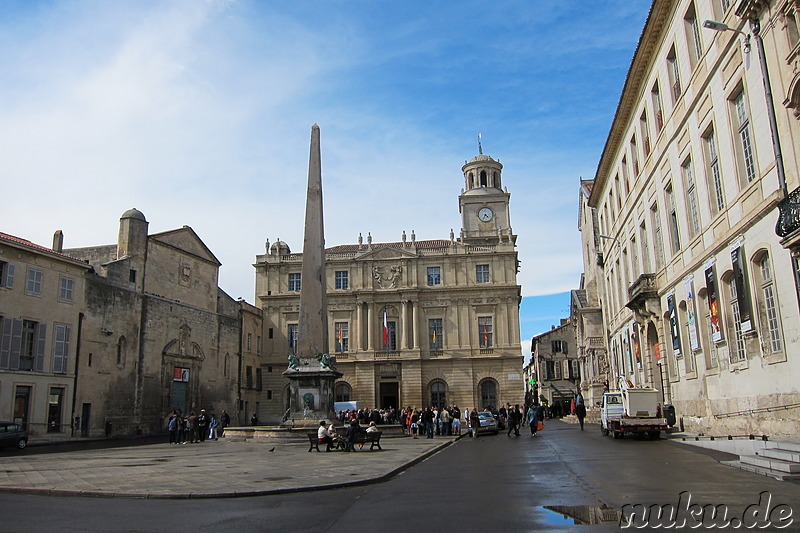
310, 396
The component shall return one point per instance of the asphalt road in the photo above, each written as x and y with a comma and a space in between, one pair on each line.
494, 483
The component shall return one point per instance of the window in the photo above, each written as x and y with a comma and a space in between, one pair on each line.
674, 231
342, 281
434, 276
258, 344
65, 292
482, 273
634, 161
485, 331
553, 370
712, 345
249, 339
691, 198
714, 177
122, 347
645, 248
259, 379
292, 333
645, 133
342, 337
559, 346
738, 352
435, 333
294, 282
248, 380
342, 392
693, 35
28, 352
634, 258
390, 336
655, 96
34, 284
658, 237
54, 408
6, 275
61, 349
574, 369
673, 71
769, 306
132, 276
745, 146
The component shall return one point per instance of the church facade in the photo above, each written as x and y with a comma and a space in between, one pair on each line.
411, 323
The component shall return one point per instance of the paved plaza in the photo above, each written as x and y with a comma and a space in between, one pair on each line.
210, 469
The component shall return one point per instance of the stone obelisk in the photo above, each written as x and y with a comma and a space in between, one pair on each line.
312, 370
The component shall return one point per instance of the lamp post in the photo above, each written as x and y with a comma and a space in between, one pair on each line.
755, 27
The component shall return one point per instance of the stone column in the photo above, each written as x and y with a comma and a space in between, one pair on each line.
415, 329
369, 326
359, 326
404, 327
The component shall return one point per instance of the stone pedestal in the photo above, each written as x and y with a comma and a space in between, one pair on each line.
310, 396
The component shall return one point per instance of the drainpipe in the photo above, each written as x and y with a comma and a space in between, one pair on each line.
75, 377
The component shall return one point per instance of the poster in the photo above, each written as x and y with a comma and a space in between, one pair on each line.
673, 325
713, 304
694, 339
180, 374
742, 289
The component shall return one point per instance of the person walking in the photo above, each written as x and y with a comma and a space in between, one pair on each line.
474, 422
224, 421
212, 427
532, 418
580, 409
514, 419
172, 427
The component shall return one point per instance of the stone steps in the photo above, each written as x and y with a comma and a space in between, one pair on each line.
780, 460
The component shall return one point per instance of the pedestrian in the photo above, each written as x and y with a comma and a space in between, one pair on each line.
580, 409
474, 422
254, 419
427, 421
191, 427
202, 425
444, 422
212, 427
181, 428
532, 417
415, 424
514, 417
172, 427
456, 426
224, 421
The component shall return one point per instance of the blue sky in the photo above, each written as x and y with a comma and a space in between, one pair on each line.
198, 113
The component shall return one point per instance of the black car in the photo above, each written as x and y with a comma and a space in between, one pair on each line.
13, 434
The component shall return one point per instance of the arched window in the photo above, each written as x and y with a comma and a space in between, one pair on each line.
768, 309
484, 179
342, 392
438, 394
738, 350
488, 393
122, 348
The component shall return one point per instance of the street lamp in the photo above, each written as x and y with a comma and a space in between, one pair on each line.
755, 26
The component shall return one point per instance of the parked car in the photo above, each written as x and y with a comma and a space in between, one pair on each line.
488, 422
13, 434
501, 420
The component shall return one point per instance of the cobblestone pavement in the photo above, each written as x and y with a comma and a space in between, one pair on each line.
210, 469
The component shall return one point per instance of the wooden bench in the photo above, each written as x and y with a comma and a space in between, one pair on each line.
314, 443
362, 437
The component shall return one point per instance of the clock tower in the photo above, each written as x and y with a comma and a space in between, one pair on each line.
483, 204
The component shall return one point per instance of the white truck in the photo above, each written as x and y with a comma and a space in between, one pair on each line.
632, 410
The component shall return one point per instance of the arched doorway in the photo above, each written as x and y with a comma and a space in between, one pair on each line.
438, 394
488, 390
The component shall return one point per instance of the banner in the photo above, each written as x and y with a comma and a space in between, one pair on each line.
673, 325
742, 289
637, 347
713, 304
694, 339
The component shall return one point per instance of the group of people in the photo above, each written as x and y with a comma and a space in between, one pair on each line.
326, 434
197, 427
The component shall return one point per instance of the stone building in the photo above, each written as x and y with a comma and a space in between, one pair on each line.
699, 294
557, 365
42, 306
417, 323
586, 314
158, 333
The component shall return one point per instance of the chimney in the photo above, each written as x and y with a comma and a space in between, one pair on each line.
58, 241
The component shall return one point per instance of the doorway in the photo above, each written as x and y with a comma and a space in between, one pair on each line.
389, 395
86, 412
22, 400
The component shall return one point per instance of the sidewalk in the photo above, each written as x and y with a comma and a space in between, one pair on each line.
213, 469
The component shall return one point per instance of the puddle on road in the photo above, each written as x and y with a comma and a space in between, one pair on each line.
580, 515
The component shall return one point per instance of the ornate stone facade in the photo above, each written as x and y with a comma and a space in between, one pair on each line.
410, 322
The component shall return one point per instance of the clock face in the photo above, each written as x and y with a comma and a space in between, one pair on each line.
485, 214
